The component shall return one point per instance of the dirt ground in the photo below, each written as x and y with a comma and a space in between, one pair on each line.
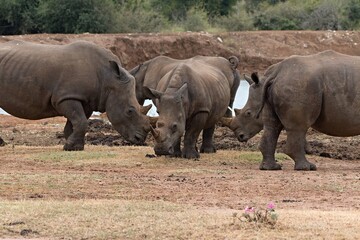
337, 158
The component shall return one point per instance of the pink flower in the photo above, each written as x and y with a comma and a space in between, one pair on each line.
249, 209
271, 206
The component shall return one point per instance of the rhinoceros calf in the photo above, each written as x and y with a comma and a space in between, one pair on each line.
40, 81
319, 91
191, 95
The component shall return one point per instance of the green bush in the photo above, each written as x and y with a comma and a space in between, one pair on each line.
238, 20
283, 16
196, 20
351, 15
77, 16
18, 16
325, 16
140, 19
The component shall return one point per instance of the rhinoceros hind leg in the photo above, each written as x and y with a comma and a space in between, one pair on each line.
68, 129
272, 129
74, 112
207, 144
295, 148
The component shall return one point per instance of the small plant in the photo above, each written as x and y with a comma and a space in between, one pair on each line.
258, 216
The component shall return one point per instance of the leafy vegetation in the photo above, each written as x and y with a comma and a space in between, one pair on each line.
111, 16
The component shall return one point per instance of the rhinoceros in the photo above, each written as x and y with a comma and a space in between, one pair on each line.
191, 95
319, 91
41, 81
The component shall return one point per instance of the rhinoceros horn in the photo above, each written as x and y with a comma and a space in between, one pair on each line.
145, 109
155, 133
153, 121
226, 121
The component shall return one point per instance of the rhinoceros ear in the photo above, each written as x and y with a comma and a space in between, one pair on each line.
248, 79
119, 71
255, 77
152, 93
115, 66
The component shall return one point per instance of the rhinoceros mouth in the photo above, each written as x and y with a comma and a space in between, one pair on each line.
163, 150
138, 138
242, 138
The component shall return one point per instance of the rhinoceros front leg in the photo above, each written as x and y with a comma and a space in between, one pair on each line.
177, 149
76, 125
295, 148
194, 127
207, 144
272, 129
68, 129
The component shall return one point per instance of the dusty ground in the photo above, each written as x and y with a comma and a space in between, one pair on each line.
335, 185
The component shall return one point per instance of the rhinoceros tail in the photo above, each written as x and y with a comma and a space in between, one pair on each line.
234, 61
267, 83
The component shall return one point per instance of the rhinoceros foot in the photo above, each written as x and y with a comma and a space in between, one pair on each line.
207, 149
305, 166
269, 166
177, 154
73, 147
190, 154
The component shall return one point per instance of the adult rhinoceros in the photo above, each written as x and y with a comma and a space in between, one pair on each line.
319, 91
191, 95
40, 81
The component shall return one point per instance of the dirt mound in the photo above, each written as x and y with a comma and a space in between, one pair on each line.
256, 50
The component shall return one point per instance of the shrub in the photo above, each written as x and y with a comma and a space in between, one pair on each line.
325, 17
77, 16
283, 16
140, 19
18, 16
196, 20
238, 20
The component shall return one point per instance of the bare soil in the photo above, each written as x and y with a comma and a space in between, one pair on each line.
335, 184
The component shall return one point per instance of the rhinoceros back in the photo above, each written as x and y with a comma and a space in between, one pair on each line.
36, 77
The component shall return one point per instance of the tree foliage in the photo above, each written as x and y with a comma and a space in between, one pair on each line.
105, 16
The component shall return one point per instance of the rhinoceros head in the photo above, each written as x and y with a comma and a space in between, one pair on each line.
170, 125
123, 110
247, 121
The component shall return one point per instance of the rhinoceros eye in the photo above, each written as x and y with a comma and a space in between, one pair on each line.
130, 111
248, 113
174, 127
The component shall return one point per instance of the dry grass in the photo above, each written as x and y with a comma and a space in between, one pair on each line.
118, 193
114, 219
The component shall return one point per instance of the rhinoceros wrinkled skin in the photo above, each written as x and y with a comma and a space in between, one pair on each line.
321, 91
191, 95
41, 81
